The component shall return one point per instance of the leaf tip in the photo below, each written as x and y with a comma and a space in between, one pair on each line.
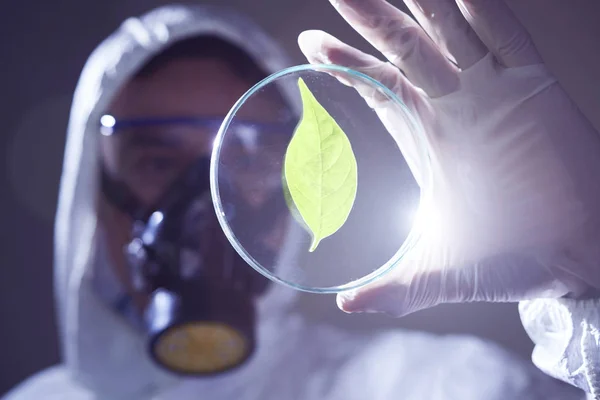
314, 245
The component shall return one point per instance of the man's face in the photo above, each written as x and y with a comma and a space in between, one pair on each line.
148, 159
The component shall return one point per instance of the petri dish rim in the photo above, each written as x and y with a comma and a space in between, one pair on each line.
413, 235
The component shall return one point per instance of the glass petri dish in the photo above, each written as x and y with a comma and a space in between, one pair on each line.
254, 200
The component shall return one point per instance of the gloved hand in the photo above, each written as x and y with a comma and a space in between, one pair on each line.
511, 198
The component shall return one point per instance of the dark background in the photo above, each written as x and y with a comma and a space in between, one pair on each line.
43, 47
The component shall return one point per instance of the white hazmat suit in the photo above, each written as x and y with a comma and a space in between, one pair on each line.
104, 358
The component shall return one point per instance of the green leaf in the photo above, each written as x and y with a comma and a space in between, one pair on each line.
320, 171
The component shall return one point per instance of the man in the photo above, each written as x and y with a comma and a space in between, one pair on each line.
148, 311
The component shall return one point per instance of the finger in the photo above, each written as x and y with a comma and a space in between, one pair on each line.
446, 26
403, 42
321, 48
507, 278
500, 30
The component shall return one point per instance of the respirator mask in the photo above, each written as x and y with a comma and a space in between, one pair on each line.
199, 314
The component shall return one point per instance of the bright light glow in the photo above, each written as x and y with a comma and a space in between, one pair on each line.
153, 222
427, 221
162, 308
108, 121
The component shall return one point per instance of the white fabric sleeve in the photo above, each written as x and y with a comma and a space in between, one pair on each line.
416, 366
54, 383
566, 333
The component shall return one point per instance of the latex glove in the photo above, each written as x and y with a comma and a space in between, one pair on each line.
511, 210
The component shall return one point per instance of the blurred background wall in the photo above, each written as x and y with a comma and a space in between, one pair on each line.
44, 45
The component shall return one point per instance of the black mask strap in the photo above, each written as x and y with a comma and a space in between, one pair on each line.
119, 195
194, 180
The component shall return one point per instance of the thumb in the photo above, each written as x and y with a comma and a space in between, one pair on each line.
322, 48
394, 297
505, 278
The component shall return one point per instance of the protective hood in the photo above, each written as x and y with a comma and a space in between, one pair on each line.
100, 349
